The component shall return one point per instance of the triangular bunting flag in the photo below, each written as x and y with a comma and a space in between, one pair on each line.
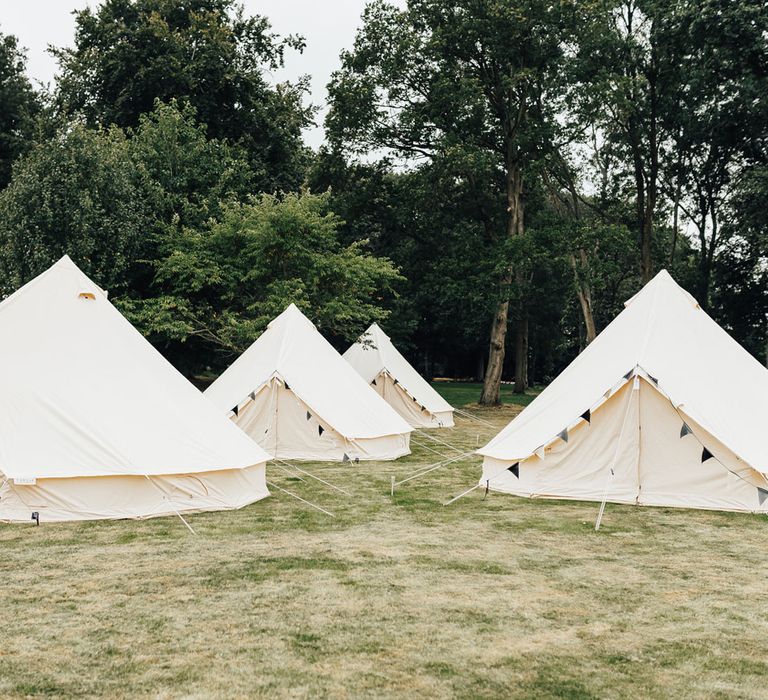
653, 379
762, 494
587, 416
286, 386
685, 430
629, 374
374, 382
252, 396
564, 435
706, 454
395, 382
345, 458
309, 415
515, 469
235, 410
320, 430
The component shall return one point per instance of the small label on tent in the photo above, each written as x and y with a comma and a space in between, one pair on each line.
762, 494
685, 430
563, 435
706, 454
515, 469
25, 481
587, 416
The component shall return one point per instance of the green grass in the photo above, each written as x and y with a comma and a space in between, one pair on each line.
394, 597
468, 393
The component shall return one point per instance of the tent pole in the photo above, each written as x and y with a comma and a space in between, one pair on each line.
392, 487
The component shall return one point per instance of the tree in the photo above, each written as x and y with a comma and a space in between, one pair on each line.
218, 287
128, 53
19, 105
481, 82
76, 194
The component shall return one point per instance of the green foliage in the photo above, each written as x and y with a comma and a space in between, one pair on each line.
19, 104
207, 53
75, 194
221, 285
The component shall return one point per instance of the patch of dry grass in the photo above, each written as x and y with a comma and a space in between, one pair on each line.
393, 598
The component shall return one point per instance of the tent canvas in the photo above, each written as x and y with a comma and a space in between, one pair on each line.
295, 395
378, 362
95, 423
645, 415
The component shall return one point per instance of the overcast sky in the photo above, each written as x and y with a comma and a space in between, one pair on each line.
328, 26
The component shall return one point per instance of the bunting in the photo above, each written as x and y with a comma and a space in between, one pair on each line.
762, 494
705, 455
515, 469
685, 430
252, 396
309, 416
374, 383
629, 374
320, 430
563, 435
587, 416
235, 410
345, 458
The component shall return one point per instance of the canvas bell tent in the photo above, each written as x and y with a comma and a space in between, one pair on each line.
378, 361
296, 396
663, 408
95, 423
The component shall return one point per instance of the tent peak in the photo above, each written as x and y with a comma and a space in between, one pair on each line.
662, 280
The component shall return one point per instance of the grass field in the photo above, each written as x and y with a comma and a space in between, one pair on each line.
403, 597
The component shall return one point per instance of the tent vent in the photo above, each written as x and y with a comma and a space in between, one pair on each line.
515, 469
706, 454
320, 430
87, 295
685, 430
587, 416
762, 494
563, 435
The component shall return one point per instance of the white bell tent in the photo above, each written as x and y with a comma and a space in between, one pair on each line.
296, 397
95, 423
663, 408
378, 361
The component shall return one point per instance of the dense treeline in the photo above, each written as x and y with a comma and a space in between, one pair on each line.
498, 175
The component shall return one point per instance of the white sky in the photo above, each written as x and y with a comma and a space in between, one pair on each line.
327, 25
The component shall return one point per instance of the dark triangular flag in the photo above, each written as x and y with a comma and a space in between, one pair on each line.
685, 430
320, 430
587, 416
653, 379
395, 382
629, 374
345, 458
235, 410
414, 399
762, 494
286, 386
373, 382
309, 415
252, 395
515, 469
706, 454
564, 435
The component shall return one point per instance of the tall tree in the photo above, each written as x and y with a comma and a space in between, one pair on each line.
19, 104
480, 81
128, 53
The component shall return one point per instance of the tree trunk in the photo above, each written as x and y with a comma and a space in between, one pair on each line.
521, 355
584, 293
490, 395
